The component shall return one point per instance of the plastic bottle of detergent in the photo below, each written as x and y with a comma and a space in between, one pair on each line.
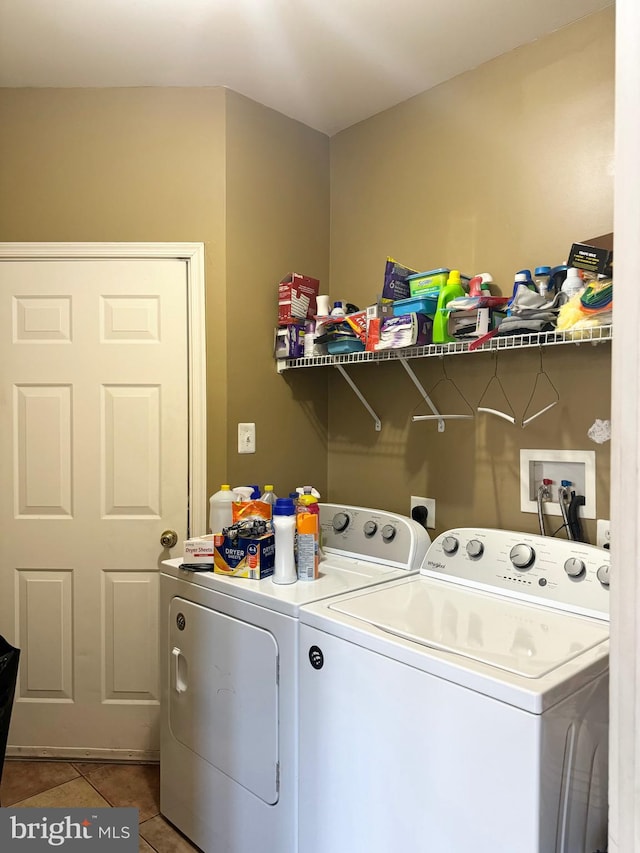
220, 510
573, 283
284, 527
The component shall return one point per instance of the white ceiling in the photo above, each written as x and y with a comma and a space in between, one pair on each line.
327, 63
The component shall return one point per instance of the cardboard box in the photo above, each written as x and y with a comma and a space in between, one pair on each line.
297, 297
405, 330
289, 341
593, 259
198, 551
243, 557
469, 324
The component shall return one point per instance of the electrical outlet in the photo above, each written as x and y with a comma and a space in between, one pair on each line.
246, 438
430, 504
603, 535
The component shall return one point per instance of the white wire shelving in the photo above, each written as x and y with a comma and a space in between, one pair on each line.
498, 343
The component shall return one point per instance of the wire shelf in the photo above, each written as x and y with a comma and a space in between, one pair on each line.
594, 336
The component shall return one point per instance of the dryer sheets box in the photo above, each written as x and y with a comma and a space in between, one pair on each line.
198, 551
243, 557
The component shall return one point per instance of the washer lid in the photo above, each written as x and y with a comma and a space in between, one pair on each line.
523, 639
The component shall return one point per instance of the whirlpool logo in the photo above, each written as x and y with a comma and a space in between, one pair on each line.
32, 830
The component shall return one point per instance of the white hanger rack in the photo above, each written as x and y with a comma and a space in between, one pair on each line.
593, 336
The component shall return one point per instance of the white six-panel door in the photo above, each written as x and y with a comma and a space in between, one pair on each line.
94, 463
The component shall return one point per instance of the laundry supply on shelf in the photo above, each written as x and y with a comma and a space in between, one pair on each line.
396, 285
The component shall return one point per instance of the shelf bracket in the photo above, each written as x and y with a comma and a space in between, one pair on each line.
358, 394
423, 393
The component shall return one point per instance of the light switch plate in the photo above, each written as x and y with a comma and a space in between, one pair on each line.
603, 534
246, 438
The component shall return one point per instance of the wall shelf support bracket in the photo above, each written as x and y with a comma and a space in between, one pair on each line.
359, 395
423, 393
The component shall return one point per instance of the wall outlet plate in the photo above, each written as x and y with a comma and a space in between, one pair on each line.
430, 504
603, 534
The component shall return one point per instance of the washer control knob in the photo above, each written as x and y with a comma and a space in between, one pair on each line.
450, 545
603, 575
340, 522
574, 567
388, 533
522, 556
475, 548
370, 528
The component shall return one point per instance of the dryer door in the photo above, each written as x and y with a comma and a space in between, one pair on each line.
223, 694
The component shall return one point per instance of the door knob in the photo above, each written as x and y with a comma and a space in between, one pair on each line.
168, 539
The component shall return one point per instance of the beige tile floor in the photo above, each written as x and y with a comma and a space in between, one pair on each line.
71, 785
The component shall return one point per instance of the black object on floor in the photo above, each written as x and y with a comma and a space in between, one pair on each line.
9, 657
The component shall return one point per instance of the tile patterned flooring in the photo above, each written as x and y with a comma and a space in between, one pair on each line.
76, 784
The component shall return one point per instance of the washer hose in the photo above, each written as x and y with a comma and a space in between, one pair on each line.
574, 521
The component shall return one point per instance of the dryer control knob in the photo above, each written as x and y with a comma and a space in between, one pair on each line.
603, 575
475, 548
388, 533
522, 556
370, 528
340, 522
450, 545
574, 567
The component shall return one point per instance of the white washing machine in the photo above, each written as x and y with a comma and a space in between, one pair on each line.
229, 702
464, 709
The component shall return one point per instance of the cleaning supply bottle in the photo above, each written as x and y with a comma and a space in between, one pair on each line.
269, 496
284, 527
308, 536
557, 276
542, 277
243, 493
220, 510
573, 283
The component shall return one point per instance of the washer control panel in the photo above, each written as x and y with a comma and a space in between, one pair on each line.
569, 574
373, 535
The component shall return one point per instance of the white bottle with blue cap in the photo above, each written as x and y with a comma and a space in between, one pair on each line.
284, 526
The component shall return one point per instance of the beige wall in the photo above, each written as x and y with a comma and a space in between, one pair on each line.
190, 165
277, 222
499, 169
123, 165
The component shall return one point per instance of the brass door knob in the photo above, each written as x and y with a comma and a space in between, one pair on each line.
168, 539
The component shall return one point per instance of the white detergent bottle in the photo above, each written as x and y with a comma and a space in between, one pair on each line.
220, 509
573, 283
284, 527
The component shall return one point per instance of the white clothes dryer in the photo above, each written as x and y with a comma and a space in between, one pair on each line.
229, 700
464, 709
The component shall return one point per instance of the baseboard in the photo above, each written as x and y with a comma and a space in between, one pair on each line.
62, 753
